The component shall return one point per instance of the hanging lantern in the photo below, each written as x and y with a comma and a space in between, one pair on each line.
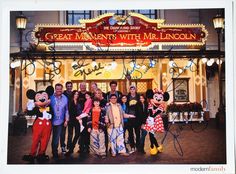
21, 21
218, 22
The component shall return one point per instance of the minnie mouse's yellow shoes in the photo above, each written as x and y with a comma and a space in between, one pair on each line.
153, 151
160, 148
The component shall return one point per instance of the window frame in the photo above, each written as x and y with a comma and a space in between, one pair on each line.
149, 14
42, 84
183, 85
117, 12
84, 13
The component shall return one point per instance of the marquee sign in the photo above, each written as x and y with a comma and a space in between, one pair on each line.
135, 30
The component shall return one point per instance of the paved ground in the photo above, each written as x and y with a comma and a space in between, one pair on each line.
198, 144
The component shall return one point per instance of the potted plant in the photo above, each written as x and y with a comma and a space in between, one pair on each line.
197, 109
173, 108
186, 108
173, 112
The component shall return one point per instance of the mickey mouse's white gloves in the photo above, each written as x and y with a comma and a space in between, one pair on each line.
30, 105
46, 115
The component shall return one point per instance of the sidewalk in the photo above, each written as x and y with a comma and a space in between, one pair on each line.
205, 147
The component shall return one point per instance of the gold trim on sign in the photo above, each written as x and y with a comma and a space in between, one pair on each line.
83, 21
158, 21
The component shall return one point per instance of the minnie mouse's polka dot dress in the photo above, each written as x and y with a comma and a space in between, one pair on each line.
157, 126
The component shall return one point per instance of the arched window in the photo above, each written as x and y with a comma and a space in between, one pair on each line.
73, 17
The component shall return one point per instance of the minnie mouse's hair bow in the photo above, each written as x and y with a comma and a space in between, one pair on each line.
158, 91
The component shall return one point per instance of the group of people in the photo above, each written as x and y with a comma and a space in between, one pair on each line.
98, 122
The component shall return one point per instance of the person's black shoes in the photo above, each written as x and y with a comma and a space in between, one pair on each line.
55, 156
42, 158
68, 153
28, 158
63, 150
141, 150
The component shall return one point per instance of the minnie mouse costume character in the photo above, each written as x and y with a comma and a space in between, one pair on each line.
39, 106
154, 122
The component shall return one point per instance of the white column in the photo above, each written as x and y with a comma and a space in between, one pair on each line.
200, 74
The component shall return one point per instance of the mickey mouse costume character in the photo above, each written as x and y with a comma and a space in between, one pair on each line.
39, 106
154, 123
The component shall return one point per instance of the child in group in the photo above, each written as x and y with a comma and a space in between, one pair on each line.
83, 119
87, 107
88, 103
96, 128
114, 121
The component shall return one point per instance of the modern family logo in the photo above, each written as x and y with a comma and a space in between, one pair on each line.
208, 169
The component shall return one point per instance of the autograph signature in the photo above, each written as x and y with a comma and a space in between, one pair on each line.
119, 132
80, 67
96, 141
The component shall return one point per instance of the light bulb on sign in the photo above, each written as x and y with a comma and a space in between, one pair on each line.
132, 64
113, 64
190, 63
74, 63
153, 62
57, 64
12, 65
219, 61
17, 63
209, 63
143, 67
204, 60
212, 60
94, 63
137, 66
35, 64
108, 67
171, 63
180, 71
